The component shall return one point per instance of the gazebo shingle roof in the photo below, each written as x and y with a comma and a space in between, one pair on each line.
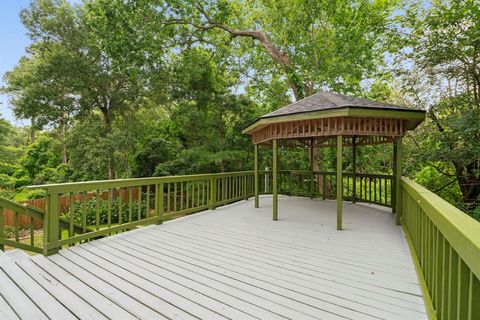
328, 101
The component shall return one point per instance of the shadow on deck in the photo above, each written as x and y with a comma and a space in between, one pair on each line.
233, 262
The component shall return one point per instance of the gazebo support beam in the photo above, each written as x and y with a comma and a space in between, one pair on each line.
394, 180
339, 181
354, 168
256, 177
398, 175
274, 174
312, 193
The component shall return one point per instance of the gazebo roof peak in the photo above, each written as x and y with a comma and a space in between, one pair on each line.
328, 101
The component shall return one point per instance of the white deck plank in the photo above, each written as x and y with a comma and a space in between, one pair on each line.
6, 312
355, 300
223, 302
129, 297
67, 297
214, 279
248, 284
297, 257
44, 301
235, 263
98, 300
146, 283
18, 301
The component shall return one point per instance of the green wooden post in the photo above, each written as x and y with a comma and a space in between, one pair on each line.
311, 169
393, 184
159, 202
256, 177
275, 178
354, 169
339, 181
51, 223
398, 176
213, 193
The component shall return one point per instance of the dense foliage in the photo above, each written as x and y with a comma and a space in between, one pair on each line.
117, 89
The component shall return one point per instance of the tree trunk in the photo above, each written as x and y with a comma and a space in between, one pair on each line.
468, 182
32, 129
107, 121
63, 129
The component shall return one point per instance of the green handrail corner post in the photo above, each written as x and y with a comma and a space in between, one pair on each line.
51, 224
393, 182
274, 179
354, 169
159, 210
256, 177
339, 181
213, 193
398, 175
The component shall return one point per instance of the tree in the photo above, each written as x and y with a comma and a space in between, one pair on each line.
441, 73
39, 89
312, 44
109, 54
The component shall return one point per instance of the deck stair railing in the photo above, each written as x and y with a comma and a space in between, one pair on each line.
24, 236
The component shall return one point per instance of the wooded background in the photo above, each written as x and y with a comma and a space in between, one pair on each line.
118, 89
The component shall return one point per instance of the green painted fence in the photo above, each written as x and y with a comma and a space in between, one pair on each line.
143, 201
367, 188
82, 211
445, 244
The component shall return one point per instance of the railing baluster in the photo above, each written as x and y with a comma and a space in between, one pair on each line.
97, 210
71, 214
147, 209
32, 229
182, 196
197, 185
109, 208
130, 204
120, 207
17, 226
2, 229
84, 211
139, 203
175, 197
168, 197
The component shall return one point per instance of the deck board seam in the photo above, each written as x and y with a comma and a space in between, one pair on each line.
235, 280
193, 302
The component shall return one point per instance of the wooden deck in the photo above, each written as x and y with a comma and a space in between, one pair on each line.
230, 263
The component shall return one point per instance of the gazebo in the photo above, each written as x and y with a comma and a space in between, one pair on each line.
328, 119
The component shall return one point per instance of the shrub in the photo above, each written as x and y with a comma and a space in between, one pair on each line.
91, 211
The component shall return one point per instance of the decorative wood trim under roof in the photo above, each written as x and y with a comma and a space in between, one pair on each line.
329, 114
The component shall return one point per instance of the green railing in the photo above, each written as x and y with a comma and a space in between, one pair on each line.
368, 188
27, 222
109, 207
82, 211
445, 244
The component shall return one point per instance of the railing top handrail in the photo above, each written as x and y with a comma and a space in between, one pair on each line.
11, 204
122, 183
458, 228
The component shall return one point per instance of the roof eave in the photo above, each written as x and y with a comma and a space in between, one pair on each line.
414, 116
